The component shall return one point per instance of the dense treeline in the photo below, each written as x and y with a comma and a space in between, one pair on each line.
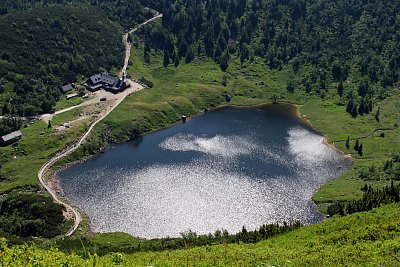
187, 240
335, 38
372, 198
29, 214
126, 12
192, 28
44, 48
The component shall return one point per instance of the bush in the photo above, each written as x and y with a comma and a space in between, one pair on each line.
146, 82
29, 214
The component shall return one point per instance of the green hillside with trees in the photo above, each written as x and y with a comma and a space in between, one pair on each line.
339, 61
126, 12
358, 42
44, 48
45, 44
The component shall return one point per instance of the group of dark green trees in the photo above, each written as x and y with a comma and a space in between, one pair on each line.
390, 170
187, 240
8, 125
372, 198
125, 12
45, 44
213, 28
335, 39
29, 214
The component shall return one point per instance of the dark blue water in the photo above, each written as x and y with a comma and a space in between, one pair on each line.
222, 170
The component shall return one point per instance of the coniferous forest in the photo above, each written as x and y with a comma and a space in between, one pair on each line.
45, 44
43, 49
334, 38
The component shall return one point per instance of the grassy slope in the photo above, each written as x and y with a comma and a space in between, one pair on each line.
333, 121
64, 103
368, 238
24, 159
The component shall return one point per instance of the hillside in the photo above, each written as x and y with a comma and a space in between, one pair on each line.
338, 62
44, 48
346, 42
368, 238
126, 12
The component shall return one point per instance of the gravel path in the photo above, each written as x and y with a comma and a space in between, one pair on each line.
120, 97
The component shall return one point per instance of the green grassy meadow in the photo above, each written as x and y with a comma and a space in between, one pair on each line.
21, 161
64, 103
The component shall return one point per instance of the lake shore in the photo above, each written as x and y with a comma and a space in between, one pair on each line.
295, 111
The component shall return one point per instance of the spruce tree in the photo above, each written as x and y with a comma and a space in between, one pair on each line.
349, 105
224, 61
356, 145
361, 107
147, 57
166, 58
176, 62
354, 110
360, 150
370, 105
340, 88
348, 142
182, 48
377, 114
189, 55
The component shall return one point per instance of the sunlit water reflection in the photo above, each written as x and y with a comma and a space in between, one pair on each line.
228, 168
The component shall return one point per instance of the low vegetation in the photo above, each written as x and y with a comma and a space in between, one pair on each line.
367, 238
118, 242
29, 214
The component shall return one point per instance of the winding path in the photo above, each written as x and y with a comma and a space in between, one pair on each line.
48, 164
128, 44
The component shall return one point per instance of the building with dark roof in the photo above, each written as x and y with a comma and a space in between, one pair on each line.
66, 88
108, 82
10, 138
